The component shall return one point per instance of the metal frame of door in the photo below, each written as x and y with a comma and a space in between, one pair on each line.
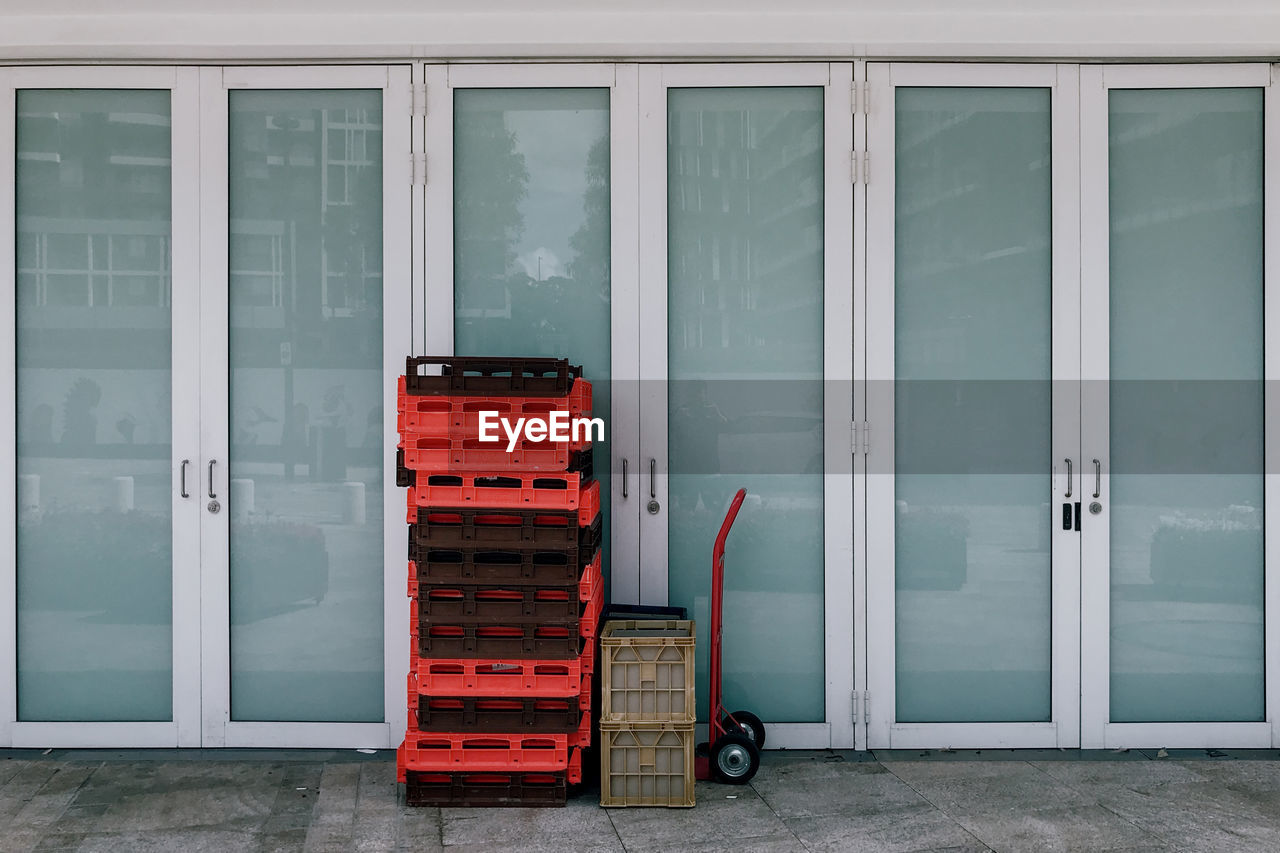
837, 81
394, 82
184, 728
620, 80
884, 730
1095, 83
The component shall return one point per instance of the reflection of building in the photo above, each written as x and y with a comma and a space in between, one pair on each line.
746, 220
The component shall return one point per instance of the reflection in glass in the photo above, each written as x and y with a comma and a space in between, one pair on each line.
305, 296
972, 411
531, 234
745, 279
1186, 405
94, 550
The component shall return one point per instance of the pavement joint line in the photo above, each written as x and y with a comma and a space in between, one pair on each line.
1098, 802
967, 831
779, 817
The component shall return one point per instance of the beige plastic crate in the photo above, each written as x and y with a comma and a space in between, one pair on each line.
647, 671
646, 764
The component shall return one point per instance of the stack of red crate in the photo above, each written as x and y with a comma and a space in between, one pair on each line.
505, 581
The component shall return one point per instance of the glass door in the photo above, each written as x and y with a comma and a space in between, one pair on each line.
99, 570
529, 208
972, 350
1178, 354
306, 201
746, 322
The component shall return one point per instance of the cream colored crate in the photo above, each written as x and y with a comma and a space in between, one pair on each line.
646, 764
647, 671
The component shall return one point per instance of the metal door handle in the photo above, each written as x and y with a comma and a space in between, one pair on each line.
182, 479
653, 478
1097, 478
624, 477
212, 462
1068, 494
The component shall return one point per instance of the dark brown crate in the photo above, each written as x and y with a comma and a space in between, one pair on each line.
504, 529
404, 477
486, 789
499, 605
489, 376
522, 642
528, 568
537, 715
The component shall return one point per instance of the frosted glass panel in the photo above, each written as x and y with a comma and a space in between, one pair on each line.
972, 423
95, 541
306, 405
531, 234
1186, 405
745, 279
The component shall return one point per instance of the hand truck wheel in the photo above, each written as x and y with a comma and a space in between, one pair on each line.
734, 759
747, 723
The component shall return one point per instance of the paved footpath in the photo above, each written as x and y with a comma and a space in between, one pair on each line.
321, 800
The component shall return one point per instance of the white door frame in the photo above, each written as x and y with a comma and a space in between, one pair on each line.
883, 729
441, 80
183, 730
837, 80
1095, 82
394, 82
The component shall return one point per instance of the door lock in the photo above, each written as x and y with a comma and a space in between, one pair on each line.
214, 506
653, 507
1095, 508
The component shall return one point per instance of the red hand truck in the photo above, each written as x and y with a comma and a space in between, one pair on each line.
735, 740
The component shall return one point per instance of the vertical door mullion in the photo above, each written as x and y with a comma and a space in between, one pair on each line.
624, 282
840, 623
653, 462
214, 398
1271, 399
8, 414
186, 397
1095, 549
859, 344
438, 212
1065, 376
401, 199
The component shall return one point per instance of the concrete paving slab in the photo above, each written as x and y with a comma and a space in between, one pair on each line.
1057, 830
722, 812
914, 828
581, 825
982, 787
796, 789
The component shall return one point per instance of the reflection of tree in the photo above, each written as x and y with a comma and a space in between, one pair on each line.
487, 218
591, 241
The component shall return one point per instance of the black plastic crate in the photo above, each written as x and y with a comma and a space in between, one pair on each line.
537, 715
491, 376
504, 529
485, 789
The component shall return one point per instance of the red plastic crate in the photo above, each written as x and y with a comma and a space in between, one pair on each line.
499, 714
512, 490
586, 584
572, 772
500, 677
459, 415
436, 454
480, 752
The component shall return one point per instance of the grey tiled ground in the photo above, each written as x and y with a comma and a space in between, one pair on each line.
313, 800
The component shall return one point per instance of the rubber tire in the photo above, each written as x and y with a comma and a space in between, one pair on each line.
732, 746
748, 724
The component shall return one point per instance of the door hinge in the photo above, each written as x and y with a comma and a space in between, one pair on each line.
853, 167
866, 167
853, 96
857, 697
866, 708
853, 437
418, 169
866, 436
866, 97
418, 99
